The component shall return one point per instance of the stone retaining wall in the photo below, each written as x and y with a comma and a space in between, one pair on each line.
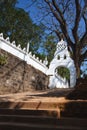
17, 76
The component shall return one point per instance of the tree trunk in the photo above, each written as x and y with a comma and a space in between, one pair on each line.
77, 69
76, 60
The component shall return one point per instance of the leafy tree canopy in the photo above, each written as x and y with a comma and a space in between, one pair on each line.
49, 47
17, 24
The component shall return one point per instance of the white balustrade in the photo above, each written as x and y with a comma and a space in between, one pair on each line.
25, 55
22, 54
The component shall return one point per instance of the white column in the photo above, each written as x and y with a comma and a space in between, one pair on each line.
28, 47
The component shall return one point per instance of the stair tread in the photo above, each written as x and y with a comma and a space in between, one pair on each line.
51, 113
15, 119
25, 125
44, 120
40, 116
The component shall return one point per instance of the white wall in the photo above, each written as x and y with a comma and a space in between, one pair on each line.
22, 54
55, 80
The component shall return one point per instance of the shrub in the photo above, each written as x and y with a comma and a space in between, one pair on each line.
3, 60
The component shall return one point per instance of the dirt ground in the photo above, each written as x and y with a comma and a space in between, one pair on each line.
80, 91
47, 96
53, 95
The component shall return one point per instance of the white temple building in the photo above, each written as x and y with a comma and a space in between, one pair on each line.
61, 59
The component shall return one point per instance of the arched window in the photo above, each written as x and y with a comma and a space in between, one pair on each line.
58, 57
64, 56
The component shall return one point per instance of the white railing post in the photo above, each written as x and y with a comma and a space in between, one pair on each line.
28, 45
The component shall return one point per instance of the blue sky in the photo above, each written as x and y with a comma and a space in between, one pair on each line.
33, 11
22, 3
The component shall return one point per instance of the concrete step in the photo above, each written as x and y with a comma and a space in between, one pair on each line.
46, 113
24, 126
29, 105
15, 119
44, 120
72, 108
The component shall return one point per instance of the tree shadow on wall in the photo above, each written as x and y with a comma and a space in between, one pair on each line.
39, 83
15, 87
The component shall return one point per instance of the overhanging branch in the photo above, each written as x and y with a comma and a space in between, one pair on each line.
59, 11
84, 56
60, 18
77, 19
58, 34
83, 40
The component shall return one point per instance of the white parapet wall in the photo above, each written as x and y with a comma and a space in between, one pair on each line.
22, 54
61, 58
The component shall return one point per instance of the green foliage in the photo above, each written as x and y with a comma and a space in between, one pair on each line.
17, 24
63, 72
3, 60
68, 20
49, 47
41, 56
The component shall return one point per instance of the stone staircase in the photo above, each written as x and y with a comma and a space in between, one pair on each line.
31, 119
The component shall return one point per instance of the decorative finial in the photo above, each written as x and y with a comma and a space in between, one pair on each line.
62, 37
28, 45
45, 61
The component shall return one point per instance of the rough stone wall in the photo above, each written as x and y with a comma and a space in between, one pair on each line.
17, 76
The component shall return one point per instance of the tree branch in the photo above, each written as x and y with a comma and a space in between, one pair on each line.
60, 18
77, 19
58, 10
53, 11
58, 34
84, 56
83, 40
85, 20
